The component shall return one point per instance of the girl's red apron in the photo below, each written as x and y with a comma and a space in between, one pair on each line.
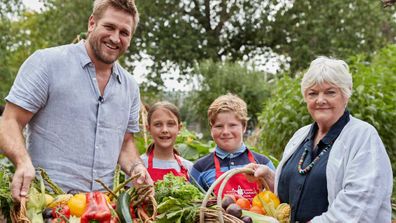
237, 185
158, 174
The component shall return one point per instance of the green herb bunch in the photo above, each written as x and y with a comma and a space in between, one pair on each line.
176, 187
178, 200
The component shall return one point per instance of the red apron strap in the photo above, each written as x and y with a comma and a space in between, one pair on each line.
178, 160
183, 170
217, 165
150, 159
251, 157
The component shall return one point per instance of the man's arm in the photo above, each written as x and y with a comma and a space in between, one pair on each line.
12, 144
130, 161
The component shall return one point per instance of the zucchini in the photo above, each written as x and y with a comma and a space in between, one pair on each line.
123, 207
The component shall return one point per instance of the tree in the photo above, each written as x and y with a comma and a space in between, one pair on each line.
177, 34
23, 32
9, 10
388, 3
333, 28
184, 32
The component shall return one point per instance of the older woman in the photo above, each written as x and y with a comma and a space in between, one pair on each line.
336, 169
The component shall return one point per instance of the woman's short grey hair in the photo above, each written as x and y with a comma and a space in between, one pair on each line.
328, 70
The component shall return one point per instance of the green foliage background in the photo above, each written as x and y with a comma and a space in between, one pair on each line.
178, 34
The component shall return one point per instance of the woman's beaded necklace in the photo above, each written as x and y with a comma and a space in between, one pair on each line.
312, 164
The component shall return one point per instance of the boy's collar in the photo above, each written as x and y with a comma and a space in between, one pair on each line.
224, 154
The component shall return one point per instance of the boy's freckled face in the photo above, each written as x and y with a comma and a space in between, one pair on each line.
227, 131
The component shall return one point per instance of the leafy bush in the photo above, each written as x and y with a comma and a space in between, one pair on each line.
284, 113
191, 147
5, 193
374, 96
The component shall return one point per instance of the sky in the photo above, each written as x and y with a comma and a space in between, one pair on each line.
33, 4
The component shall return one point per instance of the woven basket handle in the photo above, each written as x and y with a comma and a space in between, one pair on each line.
224, 179
206, 198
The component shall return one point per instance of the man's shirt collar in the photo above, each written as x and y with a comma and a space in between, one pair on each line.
86, 60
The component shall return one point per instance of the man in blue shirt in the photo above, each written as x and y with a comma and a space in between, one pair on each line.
80, 106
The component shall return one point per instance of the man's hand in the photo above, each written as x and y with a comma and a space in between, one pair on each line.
23, 176
12, 143
144, 176
139, 169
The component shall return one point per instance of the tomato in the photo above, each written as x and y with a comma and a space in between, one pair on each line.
258, 210
61, 211
267, 197
77, 204
243, 203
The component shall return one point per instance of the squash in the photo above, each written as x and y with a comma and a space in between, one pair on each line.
282, 213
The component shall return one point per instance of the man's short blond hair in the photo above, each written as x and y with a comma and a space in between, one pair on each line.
228, 103
128, 6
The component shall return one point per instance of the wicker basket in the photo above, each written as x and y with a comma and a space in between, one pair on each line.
222, 180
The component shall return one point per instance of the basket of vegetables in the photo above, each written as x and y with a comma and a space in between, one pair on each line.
119, 204
265, 206
43, 205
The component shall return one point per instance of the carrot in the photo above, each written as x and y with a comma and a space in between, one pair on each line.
143, 215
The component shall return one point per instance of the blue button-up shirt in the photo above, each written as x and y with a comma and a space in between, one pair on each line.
75, 134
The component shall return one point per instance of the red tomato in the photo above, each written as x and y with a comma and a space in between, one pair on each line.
243, 203
61, 211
